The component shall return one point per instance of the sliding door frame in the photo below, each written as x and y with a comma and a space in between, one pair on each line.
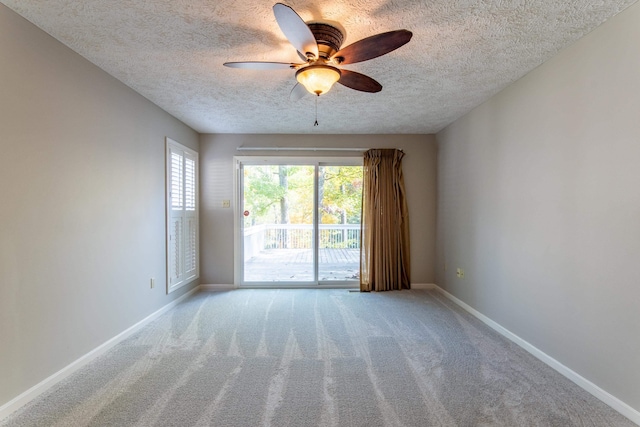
238, 223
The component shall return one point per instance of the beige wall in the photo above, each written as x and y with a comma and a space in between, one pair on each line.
216, 184
82, 205
539, 203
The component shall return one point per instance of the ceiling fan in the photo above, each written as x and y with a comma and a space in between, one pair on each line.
319, 47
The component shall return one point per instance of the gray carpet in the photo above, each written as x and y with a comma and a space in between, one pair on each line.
316, 358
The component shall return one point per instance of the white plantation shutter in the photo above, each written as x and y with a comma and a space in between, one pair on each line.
177, 179
190, 249
175, 249
190, 182
182, 215
190, 217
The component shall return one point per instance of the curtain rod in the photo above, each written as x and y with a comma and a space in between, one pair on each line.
301, 149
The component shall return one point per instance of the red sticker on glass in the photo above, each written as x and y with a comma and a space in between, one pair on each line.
246, 213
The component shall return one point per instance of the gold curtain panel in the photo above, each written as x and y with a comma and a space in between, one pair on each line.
385, 262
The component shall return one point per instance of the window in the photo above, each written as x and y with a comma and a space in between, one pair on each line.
182, 215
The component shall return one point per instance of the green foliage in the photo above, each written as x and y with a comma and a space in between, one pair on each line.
341, 200
269, 188
261, 192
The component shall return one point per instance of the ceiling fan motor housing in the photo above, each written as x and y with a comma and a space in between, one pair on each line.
329, 38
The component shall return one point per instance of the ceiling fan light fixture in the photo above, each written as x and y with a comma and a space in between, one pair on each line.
318, 78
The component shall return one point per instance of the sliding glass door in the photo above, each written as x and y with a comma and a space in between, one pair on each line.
298, 221
339, 208
277, 223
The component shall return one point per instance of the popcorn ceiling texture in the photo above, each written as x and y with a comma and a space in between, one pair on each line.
171, 52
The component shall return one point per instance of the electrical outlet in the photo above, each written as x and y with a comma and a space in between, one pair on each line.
226, 203
153, 283
460, 273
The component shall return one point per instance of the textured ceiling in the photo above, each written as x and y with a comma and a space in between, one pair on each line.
171, 51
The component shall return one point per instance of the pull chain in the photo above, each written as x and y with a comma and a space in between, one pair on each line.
316, 122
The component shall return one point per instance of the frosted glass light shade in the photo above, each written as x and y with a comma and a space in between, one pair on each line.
318, 79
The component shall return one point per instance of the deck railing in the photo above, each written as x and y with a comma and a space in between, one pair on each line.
299, 236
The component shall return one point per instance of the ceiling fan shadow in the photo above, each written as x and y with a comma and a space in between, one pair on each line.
394, 7
229, 36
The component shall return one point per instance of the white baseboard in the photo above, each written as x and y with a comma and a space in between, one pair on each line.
24, 398
599, 393
222, 287
213, 288
427, 286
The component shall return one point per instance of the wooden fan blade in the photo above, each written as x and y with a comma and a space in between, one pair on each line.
295, 29
372, 47
302, 55
257, 65
298, 92
358, 81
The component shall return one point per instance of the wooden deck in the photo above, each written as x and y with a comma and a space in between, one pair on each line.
296, 265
